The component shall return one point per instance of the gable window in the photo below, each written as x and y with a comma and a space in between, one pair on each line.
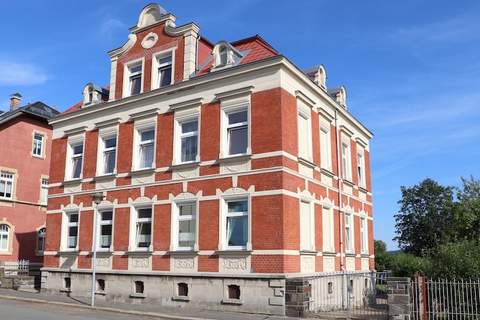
146, 148
109, 154
76, 160
363, 235
186, 225
105, 229
223, 56
37, 150
134, 79
346, 161
6, 185
164, 69
237, 224
188, 136
348, 232
72, 230
361, 169
304, 132
306, 227
44, 191
325, 149
143, 234
41, 240
328, 230
237, 132
4, 237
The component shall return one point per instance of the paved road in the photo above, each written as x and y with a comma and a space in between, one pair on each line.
19, 310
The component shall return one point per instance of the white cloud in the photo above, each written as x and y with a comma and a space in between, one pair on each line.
14, 73
110, 25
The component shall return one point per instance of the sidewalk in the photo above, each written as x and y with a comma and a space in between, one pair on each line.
151, 310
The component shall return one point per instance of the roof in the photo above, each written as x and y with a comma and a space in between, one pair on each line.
36, 109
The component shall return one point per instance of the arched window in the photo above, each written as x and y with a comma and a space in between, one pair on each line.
223, 53
41, 239
4, 237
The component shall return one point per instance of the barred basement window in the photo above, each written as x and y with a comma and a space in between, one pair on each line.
182, 289
67, 283
330, 287
233, 292
139, 288
100, 285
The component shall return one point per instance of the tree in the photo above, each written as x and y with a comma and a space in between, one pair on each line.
467, 210
379, 247
456, 260
425, 218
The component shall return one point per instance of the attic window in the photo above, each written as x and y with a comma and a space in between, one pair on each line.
225, 55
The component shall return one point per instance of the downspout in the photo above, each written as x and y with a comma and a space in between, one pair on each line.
340, 186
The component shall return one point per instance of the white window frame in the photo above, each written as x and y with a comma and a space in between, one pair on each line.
363, 234
66, 229
325, 147
176, 218
104, 135
346, 160
310, 246
40, 147
127, 74
361, 167
349, 232
72, 142
224, 215
44, 190
6, 178
328, 238
133, 241
5, 229
182, 117
155, 66
304, 112
101, 223
227, 108
141, 126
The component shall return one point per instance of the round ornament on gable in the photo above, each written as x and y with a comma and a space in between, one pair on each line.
149, 40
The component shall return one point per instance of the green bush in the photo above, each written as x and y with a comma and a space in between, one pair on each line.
456, 260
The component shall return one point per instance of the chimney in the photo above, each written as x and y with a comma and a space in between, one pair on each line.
15, 100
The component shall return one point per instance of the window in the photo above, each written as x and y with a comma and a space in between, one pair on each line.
67, 283
188, 134
4, 237
72, 230
330, 287
143, 233
306, 226
164, 70
6, 185
237, 224
135, 79
139, 287
146, 148
182, 289
328, 230
41, 239
105, 229
233, 292
100, 285
223, 54
325, 149
76, 160
361, 169
304, 131
37, 145
109, 154
237, 132
44, 191
186, 225
346, 166
348, 232
363, 235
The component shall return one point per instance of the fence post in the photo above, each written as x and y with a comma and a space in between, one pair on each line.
399, 298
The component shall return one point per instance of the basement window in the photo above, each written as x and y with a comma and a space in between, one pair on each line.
139, 287
233, 292
100, 285
67, 283
182, 289
330, 287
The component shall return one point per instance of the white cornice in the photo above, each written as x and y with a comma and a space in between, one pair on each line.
187, 104
132, 38
107, 123
302, 96
234, 93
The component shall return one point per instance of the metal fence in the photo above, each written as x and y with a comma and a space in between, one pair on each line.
349, 295
445, 299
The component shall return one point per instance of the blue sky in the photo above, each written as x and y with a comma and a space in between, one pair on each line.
411, 68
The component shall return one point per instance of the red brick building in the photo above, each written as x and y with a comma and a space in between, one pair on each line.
224, 168
24, 165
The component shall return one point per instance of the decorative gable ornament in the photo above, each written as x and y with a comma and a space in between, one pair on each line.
150, 40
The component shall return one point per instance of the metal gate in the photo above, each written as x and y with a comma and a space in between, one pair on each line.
359, 295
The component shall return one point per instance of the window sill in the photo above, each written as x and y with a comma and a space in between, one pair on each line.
350, 254
236, 157
329, 254
363, 188
104, 251
134, 172
232, 301
184, 165
365, 255
69, 252
72, 181
179, 252
306, 162
100, 293
137, 296
181, 298
105, 176
233, 252
66, 290
308, 252
139, 252
348, 182
327, 171
38, 157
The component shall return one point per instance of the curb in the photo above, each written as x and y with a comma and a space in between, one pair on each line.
107, 309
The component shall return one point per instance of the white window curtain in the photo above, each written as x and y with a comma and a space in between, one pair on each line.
44, 191
105, 229
164, 70
237, 223
146, 148
144, 227
186, 225
4, 237
135, 79
109, 154
72, 230
6, 185
37, 144
189, 141
76, 160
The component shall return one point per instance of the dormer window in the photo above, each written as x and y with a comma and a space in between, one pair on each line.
225, 55
92, 94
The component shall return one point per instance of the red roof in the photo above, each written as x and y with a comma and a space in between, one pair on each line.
73, 108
